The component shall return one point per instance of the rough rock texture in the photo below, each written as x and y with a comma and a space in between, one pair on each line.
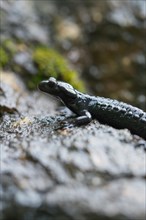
53, 171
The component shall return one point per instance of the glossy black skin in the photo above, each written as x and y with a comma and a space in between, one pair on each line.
107, 111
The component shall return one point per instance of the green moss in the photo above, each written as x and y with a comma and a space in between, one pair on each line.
48, 63
7, 50
10, 46
51, 63
3, 58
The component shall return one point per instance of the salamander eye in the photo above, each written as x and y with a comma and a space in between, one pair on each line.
52, 82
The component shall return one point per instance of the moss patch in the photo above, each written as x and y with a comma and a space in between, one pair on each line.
47, 62
51, 63
7, 50
3, 58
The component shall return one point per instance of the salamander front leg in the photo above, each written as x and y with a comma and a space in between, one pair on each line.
85, 118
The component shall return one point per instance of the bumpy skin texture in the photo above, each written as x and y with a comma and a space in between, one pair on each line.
107, 111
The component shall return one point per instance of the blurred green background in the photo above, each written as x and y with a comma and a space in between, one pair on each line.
97, 46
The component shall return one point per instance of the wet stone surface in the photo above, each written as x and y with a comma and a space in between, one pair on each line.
53, 171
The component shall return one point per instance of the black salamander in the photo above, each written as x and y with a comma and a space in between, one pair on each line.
107, 111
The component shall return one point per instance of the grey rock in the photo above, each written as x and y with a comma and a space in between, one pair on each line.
20, 20
52, 171
24, 60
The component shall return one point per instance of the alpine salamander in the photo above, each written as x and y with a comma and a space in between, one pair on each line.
107, 111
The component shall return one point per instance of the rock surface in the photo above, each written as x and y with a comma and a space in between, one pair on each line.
51, 171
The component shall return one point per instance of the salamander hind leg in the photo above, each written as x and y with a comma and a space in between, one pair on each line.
84, 118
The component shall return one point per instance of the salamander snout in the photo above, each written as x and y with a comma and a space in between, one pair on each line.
42, 85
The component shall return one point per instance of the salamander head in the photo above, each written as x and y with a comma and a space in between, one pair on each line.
57, 88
